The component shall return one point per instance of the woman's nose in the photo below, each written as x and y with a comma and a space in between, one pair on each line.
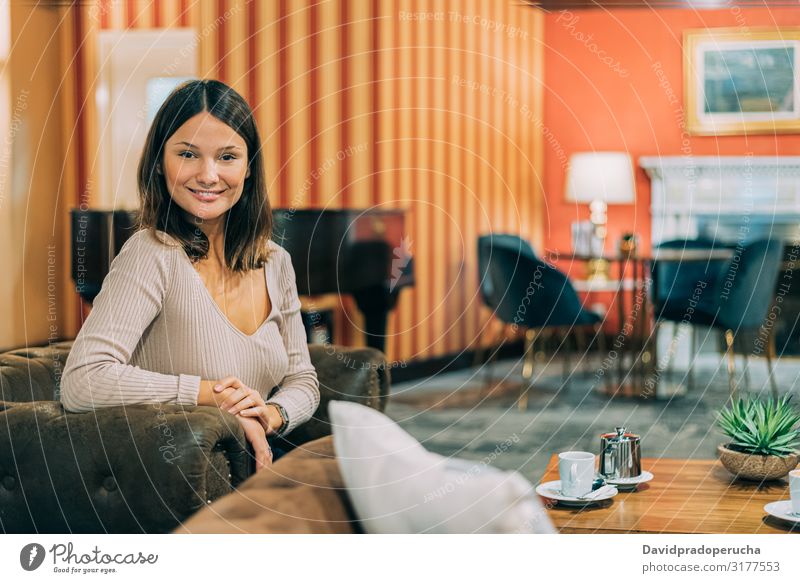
208, 173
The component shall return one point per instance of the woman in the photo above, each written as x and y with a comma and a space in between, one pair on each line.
200, 307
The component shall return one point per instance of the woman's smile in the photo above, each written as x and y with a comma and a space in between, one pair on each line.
206, 195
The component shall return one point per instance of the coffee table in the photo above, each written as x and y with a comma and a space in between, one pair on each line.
685, 496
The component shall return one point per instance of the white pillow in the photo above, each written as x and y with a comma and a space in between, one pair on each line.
397, 486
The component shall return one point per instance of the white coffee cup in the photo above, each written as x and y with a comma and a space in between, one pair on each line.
794, 491
576, 470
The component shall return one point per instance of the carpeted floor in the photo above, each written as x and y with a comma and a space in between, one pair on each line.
452, 415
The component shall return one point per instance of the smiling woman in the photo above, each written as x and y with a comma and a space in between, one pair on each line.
200, 307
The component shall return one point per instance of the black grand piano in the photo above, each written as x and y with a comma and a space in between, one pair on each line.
359, 252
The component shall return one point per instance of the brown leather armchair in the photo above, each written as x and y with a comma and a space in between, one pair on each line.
142, 468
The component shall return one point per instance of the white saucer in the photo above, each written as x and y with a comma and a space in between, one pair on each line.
630, 483
783, 510
552, 491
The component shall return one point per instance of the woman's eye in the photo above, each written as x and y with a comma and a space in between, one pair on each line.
186, 154
228, 157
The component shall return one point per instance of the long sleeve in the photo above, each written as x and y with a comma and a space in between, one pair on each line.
298, 393
97, 373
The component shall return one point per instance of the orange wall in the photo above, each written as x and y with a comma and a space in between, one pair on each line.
590, 106
325, 76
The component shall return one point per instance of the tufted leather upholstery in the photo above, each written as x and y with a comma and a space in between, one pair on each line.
142, 468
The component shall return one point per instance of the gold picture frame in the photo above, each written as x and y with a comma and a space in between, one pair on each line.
742, 81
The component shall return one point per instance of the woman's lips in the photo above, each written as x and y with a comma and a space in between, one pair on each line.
206, 195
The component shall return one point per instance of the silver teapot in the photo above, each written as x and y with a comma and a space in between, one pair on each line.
620, 455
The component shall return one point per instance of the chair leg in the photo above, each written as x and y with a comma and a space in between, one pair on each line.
480, 349
527, 368
731, 363
673, 345
495, 335
692, 347
529, 355
746, 372
770, 354
581, 345
603, 348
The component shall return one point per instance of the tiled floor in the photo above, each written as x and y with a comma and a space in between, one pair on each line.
451, 416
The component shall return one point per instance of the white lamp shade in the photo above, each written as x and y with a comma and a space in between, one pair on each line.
605, 176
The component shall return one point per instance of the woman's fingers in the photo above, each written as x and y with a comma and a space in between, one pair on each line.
232, 399
260, 413
227, 382
245, 403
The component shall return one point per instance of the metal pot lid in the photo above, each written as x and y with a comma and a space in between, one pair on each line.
619, 435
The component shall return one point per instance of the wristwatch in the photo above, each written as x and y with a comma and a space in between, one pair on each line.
284, 418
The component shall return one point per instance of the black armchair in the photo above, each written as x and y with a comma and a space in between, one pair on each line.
530, 294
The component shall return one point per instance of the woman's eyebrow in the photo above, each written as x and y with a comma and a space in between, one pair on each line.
220, 150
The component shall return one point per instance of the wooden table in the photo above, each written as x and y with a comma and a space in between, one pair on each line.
685, 496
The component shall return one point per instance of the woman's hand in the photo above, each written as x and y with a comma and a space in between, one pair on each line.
268, 416
242, 397
258, 439
246, 402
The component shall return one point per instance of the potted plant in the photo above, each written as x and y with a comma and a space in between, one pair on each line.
764, 438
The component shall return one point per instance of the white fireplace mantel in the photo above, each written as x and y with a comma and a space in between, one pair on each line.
715, 195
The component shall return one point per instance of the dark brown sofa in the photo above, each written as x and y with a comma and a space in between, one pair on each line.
143, 468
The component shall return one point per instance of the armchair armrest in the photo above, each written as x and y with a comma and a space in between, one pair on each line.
345, 374
141, 468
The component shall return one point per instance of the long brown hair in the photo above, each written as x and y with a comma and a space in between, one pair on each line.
248, 225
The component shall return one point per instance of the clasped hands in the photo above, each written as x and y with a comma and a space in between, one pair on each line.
256, 417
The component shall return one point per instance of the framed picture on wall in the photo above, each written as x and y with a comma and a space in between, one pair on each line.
742, 81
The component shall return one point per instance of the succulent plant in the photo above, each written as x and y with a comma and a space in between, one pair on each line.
761, 427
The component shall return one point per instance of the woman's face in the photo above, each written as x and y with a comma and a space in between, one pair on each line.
205, 166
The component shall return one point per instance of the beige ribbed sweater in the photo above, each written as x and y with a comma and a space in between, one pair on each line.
154, 332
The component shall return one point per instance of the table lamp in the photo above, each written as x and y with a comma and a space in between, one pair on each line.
600, 179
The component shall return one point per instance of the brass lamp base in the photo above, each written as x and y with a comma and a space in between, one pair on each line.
597, 269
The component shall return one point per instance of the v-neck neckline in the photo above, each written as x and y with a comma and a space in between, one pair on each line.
230, 324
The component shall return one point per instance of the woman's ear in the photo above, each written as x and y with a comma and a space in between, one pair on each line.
158, 169
248, 173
